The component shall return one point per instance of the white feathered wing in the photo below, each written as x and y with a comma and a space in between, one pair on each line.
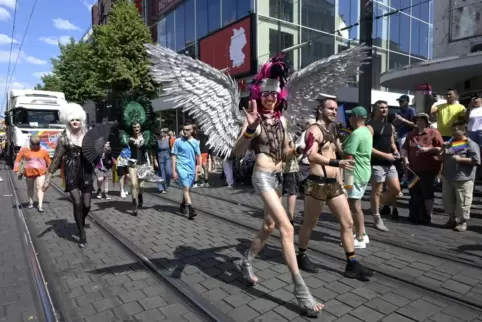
210, 96
325, 76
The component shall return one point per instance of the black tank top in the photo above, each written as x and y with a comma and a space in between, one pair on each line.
382, 140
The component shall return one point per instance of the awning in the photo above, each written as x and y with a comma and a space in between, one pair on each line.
441, 73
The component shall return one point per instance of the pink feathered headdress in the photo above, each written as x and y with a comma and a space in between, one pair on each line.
271, 78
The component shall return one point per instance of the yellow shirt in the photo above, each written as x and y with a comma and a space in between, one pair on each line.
447, 114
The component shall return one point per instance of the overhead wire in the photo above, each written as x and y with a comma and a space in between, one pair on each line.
23, 41
11, 49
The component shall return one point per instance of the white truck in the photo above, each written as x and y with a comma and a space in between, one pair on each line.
32, 112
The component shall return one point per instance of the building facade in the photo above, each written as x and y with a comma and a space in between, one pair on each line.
457, 52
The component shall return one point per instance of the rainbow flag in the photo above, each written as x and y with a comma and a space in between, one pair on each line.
413, 182
460, 145
345, 131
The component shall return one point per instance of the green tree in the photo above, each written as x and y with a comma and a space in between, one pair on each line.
120, 57
76, 72
50, 82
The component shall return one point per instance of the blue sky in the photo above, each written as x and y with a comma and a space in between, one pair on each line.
52, 21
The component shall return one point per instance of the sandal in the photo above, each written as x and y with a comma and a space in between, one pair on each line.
247, 272
305, 300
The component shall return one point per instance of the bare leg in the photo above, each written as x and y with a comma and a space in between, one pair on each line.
30, 186
275, 213
134, 188
40, 193
291, 206
358, 218
339, 207
377, 188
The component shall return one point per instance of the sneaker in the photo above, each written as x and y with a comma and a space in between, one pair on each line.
123, 194
378, 221
461, 227
163, 191
106, 196
206, 185
195, 185
451, 224
306, 264
99, 196
359, 244
30, 205
357, 270
1, 179
366, 240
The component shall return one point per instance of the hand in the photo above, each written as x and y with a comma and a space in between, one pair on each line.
424, 150
456, 158
390, 157
46, 185
252, 117
347, 164
156, 164
174, 175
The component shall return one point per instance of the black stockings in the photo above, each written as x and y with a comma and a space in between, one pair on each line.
81, 201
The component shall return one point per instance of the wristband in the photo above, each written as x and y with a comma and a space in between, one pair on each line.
334, 163
248, 135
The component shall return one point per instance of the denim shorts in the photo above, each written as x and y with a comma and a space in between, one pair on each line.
266, 181
358, 191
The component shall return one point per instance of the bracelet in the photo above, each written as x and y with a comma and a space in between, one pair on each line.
249, 133
334, 163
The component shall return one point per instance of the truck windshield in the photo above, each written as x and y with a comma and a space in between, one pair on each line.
36, 118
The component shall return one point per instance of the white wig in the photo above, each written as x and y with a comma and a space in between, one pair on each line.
72, 111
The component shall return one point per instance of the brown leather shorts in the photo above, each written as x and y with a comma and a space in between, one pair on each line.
323, 191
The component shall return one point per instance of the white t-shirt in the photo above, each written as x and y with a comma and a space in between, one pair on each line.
475, 119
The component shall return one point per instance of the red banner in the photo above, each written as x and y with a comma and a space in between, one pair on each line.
229, 48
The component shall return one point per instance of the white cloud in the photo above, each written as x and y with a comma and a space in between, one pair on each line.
40, 74
14, 84
35, 60
63, 24
8, 3
55, 41
4, 14
5, 55
4, 40
88, 4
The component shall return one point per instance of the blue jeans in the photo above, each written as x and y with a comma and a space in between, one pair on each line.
476, 136
165, 172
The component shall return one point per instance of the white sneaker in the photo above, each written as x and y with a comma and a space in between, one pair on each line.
1, 179
123, 194
195, 185
359, 244
365, 238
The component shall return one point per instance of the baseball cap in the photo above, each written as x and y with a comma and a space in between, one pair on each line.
358, 111
423, 115
404, 98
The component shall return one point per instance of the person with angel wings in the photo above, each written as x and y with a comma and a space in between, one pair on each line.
212, 98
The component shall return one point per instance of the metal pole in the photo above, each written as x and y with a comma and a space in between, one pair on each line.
366, 29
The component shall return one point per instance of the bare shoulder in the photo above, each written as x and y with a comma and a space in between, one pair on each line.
315, 130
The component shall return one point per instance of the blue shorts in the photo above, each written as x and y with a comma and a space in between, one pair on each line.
357, 192
186, 179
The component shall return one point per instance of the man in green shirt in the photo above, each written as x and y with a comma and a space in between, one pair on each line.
359, 146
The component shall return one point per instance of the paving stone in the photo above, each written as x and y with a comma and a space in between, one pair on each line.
351, 299
381, 306
367, 314
262, 305
243, 313
337, 308
456, 286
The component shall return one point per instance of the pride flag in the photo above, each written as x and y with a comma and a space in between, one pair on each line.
460, 145
413, 182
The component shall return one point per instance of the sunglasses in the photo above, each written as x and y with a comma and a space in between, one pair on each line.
74, 120
266, 94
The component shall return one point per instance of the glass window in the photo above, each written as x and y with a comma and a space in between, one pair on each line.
425, 10
202, 18
229, 11
399, 33
431, 11
430, 42
323, 46
415, 10
162, 32
465, 20
282, 9
180, 33
214, 15
398, 4
189, 16
414, 61
318, 14
170, 27
419, 40
287, 40
380, 26
243, 8
348, 15
397, 60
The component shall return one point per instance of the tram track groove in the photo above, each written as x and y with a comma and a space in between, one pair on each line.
254, 228
388, 241
52, 314
196, 301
